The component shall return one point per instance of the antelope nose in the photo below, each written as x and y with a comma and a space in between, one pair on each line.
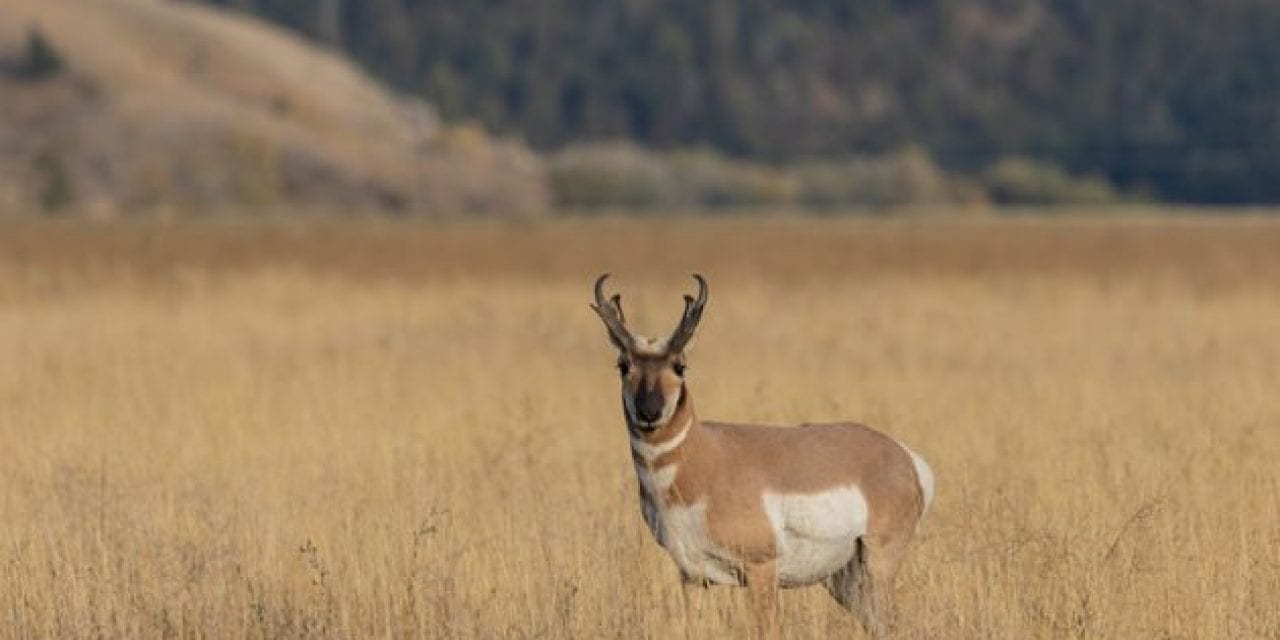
648, 406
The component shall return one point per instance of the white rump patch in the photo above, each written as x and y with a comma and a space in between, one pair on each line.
816, 534
924, 474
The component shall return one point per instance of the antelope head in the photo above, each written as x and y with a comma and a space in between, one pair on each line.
652, 370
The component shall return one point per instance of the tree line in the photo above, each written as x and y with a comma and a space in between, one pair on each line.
1180, 100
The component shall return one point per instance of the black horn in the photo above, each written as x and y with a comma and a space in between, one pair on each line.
692, 314
610, 311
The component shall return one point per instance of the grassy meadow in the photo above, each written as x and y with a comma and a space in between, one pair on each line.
389, 429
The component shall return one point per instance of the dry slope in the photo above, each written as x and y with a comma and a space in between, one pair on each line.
172, 106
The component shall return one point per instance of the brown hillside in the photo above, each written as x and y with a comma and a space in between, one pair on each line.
174, 107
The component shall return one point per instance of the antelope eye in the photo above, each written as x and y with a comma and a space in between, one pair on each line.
678, 368
624, 367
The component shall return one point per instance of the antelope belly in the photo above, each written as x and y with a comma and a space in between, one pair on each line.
815, 534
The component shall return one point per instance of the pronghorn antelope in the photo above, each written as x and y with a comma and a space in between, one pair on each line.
758, 506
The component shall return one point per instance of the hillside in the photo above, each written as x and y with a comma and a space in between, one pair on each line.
146, 105
1179, 99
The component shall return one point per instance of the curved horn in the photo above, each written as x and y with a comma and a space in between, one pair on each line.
610, 311
692, 315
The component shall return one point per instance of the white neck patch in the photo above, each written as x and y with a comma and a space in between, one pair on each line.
650, 452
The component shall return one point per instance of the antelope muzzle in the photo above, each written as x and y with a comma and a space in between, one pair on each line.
649, 404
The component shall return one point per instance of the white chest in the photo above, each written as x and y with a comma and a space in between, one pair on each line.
682, 530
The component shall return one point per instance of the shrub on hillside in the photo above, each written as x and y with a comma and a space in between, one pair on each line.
624, 175
704, 178
627, 176
56, 189
609, 175
1021, 180
41, 59
906, 177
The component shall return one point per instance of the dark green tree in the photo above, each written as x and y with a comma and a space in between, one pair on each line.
40, 60
56, 189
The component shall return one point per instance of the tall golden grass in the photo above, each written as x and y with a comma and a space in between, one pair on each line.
371, 429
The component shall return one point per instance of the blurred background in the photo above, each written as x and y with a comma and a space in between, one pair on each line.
517, 108
293, 305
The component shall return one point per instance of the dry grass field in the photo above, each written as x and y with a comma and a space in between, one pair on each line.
379, 429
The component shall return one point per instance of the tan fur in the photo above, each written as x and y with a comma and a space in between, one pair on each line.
728, 467
732, 465
726, 470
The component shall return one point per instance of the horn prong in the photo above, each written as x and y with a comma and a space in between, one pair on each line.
617, 304
692, 315
610, 313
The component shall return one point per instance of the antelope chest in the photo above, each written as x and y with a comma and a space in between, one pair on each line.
814, 534
682, 530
